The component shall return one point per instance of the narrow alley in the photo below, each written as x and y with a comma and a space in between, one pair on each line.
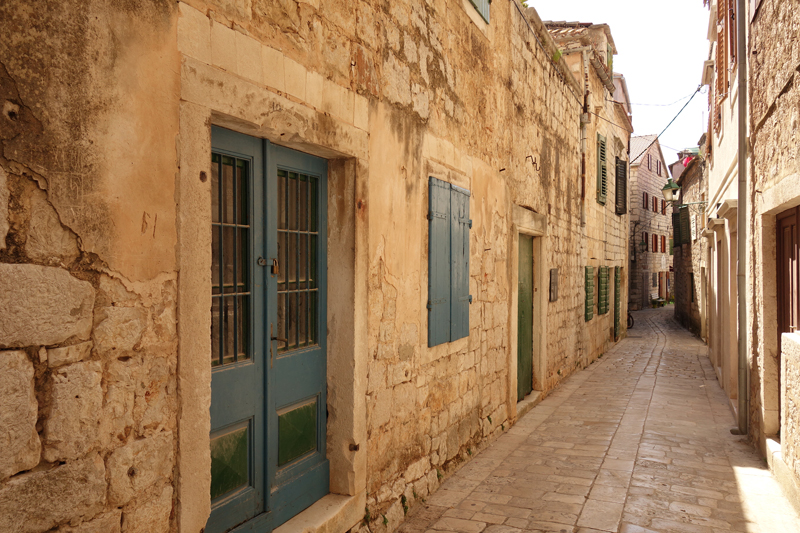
639, 442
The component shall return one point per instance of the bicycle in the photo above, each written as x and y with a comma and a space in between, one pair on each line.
630, 320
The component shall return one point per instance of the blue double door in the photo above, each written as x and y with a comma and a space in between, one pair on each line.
268, 323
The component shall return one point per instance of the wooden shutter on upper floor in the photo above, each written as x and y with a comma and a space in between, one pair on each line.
676, 228
460, 225
644, 200
602, 171
663, 244
439, 268
721, 63
621, 190
588, 304
732, 31
685, 225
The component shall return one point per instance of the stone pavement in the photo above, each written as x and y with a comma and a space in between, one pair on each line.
639, 442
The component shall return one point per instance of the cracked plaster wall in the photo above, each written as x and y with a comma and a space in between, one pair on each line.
88, 342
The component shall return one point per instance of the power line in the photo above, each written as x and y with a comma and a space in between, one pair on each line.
657, 105
670, 123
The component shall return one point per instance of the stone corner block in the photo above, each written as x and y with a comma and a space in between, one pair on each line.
42, 306
138, 465
72, 428
19, 409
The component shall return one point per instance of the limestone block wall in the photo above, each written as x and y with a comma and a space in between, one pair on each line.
773, 187
690, 259
87, 266
105, 265
643, 219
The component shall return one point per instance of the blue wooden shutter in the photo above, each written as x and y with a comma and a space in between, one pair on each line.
459, 252
438, 262
483, 8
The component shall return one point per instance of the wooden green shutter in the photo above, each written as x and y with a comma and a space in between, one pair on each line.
459, 252
621, 191
589, 300
602, 171
676, 228
617, 302
602, 280
483, 8
438, 262
686, 231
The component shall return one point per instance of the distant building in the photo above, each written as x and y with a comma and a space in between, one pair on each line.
651, 225
689, 248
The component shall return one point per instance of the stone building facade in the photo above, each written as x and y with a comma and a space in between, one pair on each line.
773, 192
650, 225
127, 130
689, 247
720, 229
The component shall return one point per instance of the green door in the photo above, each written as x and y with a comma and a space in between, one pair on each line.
525, 318
268, 385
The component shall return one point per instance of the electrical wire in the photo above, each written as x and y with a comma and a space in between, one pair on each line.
668, 125
612, 123
657, 105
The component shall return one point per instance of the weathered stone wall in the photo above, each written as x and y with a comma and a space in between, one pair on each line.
773, 187
106, 119
87, 266
644, 219
689, 259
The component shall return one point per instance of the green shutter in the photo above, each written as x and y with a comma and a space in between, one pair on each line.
670, 246
617, 303
589, 300
459, 257
602, 280
686, 230
483, 8
438, 262
676, 228
602, 171
621, 191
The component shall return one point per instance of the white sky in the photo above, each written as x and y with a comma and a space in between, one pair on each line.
661, 47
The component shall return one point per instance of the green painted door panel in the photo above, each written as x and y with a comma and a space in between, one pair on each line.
525, 318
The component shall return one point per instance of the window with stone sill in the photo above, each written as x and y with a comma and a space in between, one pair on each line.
482, 7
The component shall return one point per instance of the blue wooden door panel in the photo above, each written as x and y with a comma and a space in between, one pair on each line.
438, 262
237, 388
459, 257
297, 375
256, 391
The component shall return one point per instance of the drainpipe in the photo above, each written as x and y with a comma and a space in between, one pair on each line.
744, 375
584, 122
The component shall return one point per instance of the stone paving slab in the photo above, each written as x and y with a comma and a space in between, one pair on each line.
639, 442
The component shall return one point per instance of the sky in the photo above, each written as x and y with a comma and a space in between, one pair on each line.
661, 47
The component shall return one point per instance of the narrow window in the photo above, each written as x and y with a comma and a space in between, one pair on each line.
644, 200
448, 262
482, 6
230, 238
646, 242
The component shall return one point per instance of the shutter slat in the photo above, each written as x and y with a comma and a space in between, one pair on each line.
685, 226
459, 256
438, 262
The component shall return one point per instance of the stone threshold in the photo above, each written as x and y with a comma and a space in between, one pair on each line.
528, 403
783, 474
334, 513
